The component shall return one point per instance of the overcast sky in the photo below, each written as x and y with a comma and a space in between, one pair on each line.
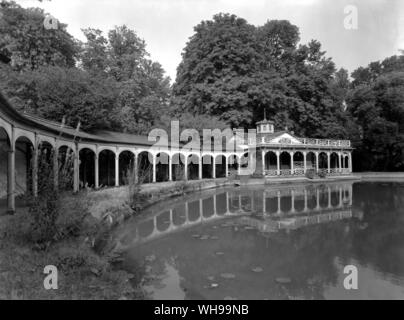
166, 25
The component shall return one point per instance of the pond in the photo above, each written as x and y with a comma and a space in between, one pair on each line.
272, 243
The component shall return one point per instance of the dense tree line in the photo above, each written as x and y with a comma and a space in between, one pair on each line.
231, 71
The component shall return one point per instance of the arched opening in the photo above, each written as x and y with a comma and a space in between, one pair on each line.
162, 167
310, 161
106, 160
346, 162
298, 162
66, 168
23, 165
145, 167
193, 167
178, 167
322, 161
271, 161
220, 164
285, 160
232, 165
244, 160
45, 167
126, 163
207, 167
334, 161
87, 168
4, 183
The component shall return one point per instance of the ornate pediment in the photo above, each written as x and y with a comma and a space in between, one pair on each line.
285, 138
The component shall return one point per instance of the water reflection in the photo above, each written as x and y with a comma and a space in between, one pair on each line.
272, 243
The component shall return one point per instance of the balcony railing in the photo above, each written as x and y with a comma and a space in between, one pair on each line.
309, 142
300, 172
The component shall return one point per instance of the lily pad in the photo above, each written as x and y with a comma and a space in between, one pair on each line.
214, 285
257, 269
283, 280
195, 235
219, 253
211, 278
205, 237
228, 275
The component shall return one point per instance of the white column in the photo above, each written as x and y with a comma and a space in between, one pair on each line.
76, 158
340, 197
279, 202
316, 153
328, 162
97, 171
135, 167
35, 171
116, 169
11, 178
200, 168
238, 159
304, 162
339, 163
214, 167
227, 202
154, 168
170, 169
186, 168
278, 163
292, 167
263, 162
56, 167
226, 166
214, 205
350, 161
318, 199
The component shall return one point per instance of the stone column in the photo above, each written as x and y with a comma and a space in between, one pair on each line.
200, 168
170, 168
316, 153
350, 162
226, 169
328, 162
186, 168
263, 162
76, 176
56, 167
318, 199
238, 159
291, 163
339, 163
329, 197
11, 179
264, 203
278, 163
214, 167
136, 167
97, 171
154, 168
116, 169
35, 171
304, 162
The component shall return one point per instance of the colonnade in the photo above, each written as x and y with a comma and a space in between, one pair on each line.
292, 162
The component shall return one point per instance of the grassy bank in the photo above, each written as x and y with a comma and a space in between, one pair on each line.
79, 250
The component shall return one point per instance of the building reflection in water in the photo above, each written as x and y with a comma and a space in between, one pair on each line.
267, 210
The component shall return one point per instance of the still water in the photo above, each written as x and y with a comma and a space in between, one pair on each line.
272, 243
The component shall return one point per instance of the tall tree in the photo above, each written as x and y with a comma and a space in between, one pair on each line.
25, 40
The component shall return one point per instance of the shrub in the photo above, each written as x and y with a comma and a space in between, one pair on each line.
322, 174
310, 173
